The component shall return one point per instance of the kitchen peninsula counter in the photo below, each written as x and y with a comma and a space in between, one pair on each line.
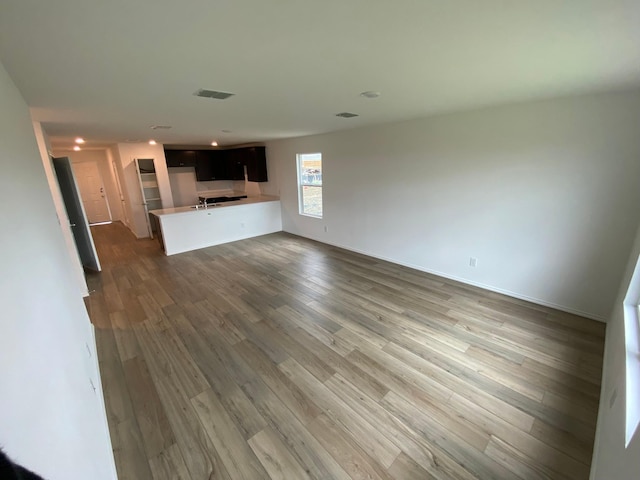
183, 229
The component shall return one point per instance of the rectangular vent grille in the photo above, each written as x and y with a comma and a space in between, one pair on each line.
346, 115
213, 94
160, 127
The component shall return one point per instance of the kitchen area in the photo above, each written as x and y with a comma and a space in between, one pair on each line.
186, 197
217, 197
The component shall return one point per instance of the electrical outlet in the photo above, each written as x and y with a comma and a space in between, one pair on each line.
473, 262
242, 225
326, 229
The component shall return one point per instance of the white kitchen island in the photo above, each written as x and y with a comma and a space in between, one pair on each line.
183, 229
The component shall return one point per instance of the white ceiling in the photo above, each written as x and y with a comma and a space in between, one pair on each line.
109, 69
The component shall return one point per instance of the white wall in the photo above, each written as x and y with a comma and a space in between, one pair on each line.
185, 189
544, 194
126, 153
610, 458
183, 186
113, 154
50, 417
106, 172
216, 185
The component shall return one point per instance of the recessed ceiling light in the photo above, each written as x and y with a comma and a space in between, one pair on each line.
76, 148
79, 140
370, 94
152, 142
214, 144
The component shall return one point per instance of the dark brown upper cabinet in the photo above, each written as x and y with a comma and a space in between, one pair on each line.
228, 164
181, 158
256, 164
211, 165
235, 164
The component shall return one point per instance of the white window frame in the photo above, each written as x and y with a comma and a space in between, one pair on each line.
631, 307
301, 185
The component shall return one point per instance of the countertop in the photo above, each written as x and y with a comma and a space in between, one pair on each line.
213, 206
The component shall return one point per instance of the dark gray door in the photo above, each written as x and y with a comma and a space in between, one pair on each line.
75, 211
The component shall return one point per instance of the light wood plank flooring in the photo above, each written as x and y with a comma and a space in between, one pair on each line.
282, 358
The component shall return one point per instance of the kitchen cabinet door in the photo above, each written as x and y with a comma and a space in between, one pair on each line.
256, 164
236, 163
211, 165
180, 158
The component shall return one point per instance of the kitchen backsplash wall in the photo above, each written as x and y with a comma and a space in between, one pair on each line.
186, 189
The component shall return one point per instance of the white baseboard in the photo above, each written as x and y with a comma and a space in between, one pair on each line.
490, 288
102, 405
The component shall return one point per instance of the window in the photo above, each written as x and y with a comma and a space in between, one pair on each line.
632, 343
310, 184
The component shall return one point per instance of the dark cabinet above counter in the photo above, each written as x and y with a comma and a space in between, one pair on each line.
226, 164
256, 162
181, 158
211, 165
236, 162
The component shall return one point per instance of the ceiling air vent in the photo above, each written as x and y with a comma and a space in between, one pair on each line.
160, 127
213, 94
346, 115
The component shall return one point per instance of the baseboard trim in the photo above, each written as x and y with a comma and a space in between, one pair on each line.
508, 293
102, 404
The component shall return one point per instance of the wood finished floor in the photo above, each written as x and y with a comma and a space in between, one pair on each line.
278, 357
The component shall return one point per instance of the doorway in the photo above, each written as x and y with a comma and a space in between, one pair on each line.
92, 192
